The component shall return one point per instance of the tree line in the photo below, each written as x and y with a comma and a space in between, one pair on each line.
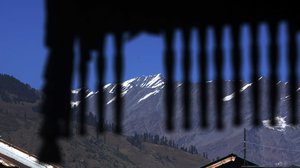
138, 139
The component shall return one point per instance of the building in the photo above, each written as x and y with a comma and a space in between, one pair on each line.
12, 156
230, 161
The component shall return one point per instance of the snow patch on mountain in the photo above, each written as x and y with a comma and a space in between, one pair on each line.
231, 96
91, 93
284, 98
110, 101
74, 103
76, 91
281, 124
112, 89
107, 85
148, 95
124, 92
245, 87
155, 82
127, 84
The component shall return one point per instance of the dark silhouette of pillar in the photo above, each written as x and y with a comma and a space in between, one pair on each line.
186, 69
84, 58
219, 79
101, 62
255, 62
273, 60
118, 36
169, 68
236, 59
202, 71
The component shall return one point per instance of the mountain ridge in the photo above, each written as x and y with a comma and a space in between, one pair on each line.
20, 126
13, 90
144, 112
267, 145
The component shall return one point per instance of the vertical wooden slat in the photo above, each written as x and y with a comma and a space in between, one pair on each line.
169, 68
236, 58
118, 79
84, 57
101, 77
292, 62
186, 69
219, 80
56, 108
202, 64
273, 59
255, 75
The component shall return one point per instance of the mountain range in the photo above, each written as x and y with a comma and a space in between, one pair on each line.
144, 112
20, 125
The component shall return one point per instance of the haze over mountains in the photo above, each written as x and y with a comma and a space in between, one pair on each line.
144, 112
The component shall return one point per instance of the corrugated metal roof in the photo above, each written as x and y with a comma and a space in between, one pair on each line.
13, 155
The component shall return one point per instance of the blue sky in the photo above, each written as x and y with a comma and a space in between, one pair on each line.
23, 54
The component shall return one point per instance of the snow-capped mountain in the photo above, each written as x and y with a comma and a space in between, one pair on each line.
143, 111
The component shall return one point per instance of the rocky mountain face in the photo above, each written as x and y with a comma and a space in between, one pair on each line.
144, 112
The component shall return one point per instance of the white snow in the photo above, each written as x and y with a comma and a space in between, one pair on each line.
76, 91
179, 85
143, 84
107, 85
126, 86
231, 96
281, 124
148, 95
91, 93
113, 99
155, 82
21, 156
127, 83
112, 89
152, 81
284, 98
158, 84
74, 103
125, 91
245, 87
